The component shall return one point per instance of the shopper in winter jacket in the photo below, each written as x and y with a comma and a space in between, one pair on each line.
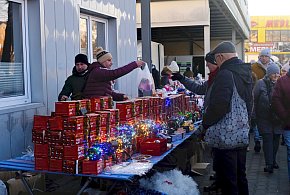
259, 68
232, 72
74, 84
281, 106
269, 130
101, 76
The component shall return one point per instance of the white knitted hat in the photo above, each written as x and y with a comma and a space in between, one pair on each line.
173, 67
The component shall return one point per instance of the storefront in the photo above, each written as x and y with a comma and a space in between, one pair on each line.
271, 32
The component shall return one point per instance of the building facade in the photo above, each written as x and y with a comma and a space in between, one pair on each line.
271, 32
38, 42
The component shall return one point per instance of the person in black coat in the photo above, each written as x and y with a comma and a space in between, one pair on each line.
156, 77
231, 163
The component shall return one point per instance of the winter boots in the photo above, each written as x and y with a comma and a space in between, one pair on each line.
257, 146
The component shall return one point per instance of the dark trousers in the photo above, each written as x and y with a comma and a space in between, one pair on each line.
231, 171
270, 147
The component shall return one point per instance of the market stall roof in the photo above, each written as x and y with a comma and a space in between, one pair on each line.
184, 20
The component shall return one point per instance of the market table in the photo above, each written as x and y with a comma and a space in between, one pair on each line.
23, 165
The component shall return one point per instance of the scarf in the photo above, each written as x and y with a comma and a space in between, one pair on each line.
211, 76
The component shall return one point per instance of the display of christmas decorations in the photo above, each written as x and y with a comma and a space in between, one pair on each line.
98, 135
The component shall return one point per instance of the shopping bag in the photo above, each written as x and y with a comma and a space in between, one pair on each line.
145, 82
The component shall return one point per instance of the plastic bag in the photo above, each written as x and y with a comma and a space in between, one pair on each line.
145, 82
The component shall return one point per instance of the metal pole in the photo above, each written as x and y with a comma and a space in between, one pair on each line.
146, 32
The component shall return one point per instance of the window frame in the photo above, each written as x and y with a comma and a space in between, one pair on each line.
90, 19
26, 98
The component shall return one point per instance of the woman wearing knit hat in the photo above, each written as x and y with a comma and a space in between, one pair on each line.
74, 84
101, 75
268, 128
285, 68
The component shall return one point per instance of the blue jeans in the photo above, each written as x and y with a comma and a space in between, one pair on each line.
257, 136
286, 134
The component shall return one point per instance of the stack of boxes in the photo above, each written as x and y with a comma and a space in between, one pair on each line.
61, 140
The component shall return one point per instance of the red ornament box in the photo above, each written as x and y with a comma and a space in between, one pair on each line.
55, 165
76, 152
67, 108
105, 117
153, 146
72, 166
41, 150
126, 109
92, 167
83, 107
115, 116
40, 122
41, 163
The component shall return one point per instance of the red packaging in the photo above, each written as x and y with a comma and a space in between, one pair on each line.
71, 139
55, 165
56, 152
39, 137
55, 123
153, 146
138, 142
145, 101
92, 167
67, 108
108, 162
40, 122
41, 150
138, 106
76, 152
126, 109
54, 137
105, 117
92, 121
186, 102
72, 166
115, 115
107, 102
95, 104
155, 101
83, 107
41, 163
74, 123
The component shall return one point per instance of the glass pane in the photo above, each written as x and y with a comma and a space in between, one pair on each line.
84, 35
11, 51
284, 35
98, 37
276, 35
269, 36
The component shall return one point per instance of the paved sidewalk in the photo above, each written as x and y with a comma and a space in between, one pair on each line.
260, 183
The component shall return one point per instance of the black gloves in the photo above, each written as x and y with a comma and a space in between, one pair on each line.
177, 76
